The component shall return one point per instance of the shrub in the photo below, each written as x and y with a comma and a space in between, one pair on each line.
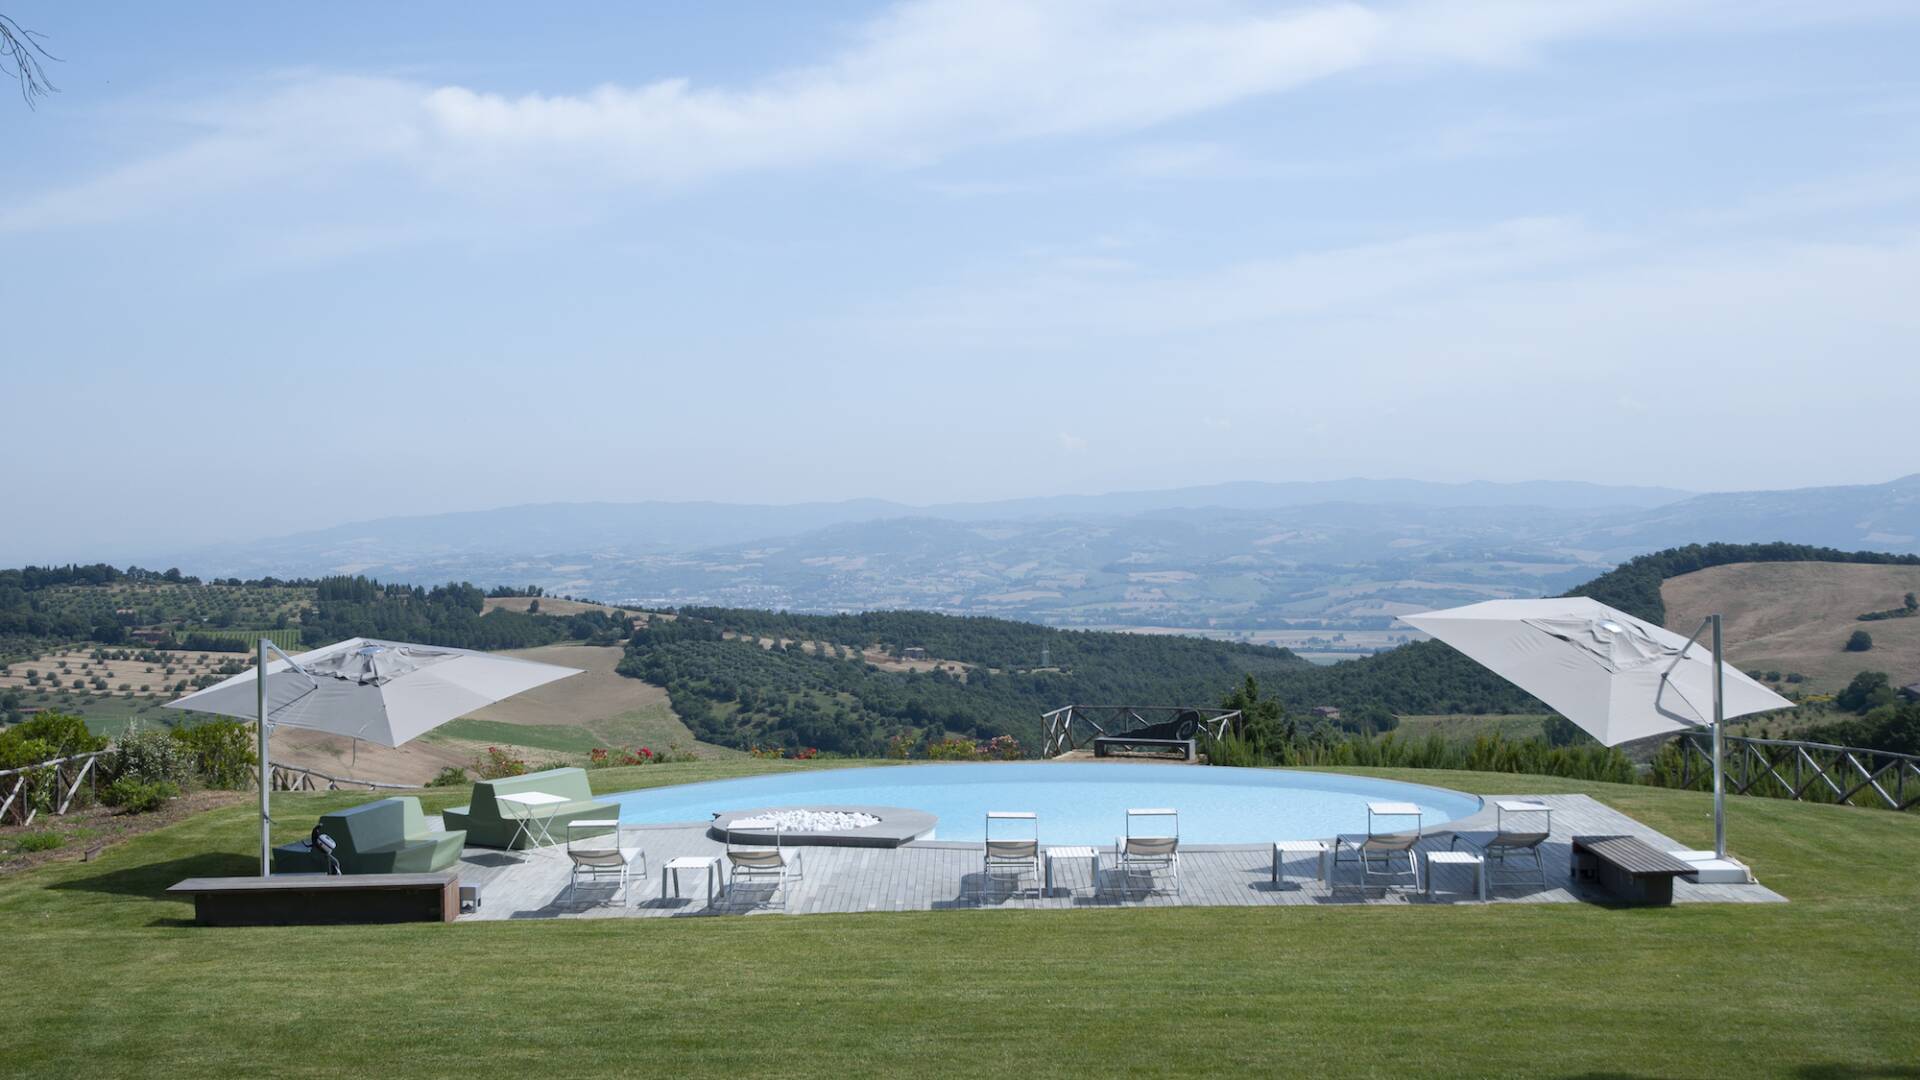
451, 776
137, 796
222, 752
53, 735
41, 841
1861, 641
953, 749
499, 764
1001, 748
153, 756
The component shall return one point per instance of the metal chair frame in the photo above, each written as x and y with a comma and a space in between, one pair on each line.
1126, 859
598, 862
757, 863
1020, 855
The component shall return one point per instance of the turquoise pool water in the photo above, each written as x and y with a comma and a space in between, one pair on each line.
1078, 803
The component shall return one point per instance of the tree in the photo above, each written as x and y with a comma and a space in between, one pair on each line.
20, 56
1861, 641
1868, 690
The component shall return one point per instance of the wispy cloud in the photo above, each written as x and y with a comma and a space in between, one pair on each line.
920, 82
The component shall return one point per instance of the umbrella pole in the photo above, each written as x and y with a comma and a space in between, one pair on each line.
1719, 747
266, 771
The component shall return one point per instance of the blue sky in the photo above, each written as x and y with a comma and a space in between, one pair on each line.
265, 260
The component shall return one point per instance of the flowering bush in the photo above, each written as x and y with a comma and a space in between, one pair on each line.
499, 765
597, 758
998, 748
1001, 748
952, 749
899, 748
805, 753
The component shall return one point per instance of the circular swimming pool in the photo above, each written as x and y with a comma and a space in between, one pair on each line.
1077, 802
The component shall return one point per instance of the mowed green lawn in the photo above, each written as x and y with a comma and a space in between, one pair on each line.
106, 978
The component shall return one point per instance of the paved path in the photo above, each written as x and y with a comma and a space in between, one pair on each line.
931, 875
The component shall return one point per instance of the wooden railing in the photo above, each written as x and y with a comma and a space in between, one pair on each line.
1804, 771
1073, 726
69, 773
295, 778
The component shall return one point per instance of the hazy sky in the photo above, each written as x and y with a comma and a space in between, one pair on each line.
278, 266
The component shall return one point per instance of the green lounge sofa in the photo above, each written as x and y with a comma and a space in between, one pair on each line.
488, 826
389, 836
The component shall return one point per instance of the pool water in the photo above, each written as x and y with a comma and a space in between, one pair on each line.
1077, 802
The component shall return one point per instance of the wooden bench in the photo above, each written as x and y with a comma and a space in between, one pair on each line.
316, 899
1629, 868
1106, 743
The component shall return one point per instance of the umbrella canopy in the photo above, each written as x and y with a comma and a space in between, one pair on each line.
1614, 675
385, 692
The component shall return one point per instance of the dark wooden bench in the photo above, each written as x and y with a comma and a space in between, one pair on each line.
1629, 868
313, 899
1102, 745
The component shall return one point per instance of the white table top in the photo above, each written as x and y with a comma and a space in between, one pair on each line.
1071, 853
1385, 808
691, 862
1300, 845
1520, 806
593, 823
532, 798
1462, 857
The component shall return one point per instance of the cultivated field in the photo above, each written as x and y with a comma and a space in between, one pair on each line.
1797, 617
127, 672
550, 605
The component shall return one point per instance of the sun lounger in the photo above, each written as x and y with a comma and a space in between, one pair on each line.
1147, 848
1015, 858
594, 858
1519, 838
751, 865
1375, 851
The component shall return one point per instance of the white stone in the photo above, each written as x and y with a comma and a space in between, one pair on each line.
807, 821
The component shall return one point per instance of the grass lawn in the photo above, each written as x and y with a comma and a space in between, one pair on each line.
106, 978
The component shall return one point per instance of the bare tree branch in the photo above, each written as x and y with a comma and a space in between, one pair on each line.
20, 56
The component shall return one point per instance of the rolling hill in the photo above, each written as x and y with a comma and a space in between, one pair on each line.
1338, 555
1797, 616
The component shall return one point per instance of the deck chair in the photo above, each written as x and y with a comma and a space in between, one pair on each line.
749, 864
1014, 857
1513, 840
1376, 850
1148, 848
601, 855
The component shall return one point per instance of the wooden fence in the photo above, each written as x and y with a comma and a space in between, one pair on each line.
1804, 771
69, 773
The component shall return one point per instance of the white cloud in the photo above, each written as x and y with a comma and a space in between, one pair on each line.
924, 80
1072, 444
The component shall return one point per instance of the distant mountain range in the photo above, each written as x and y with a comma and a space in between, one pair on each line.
1346, 553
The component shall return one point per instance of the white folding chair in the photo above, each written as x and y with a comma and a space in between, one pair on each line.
1148, 846
1019, 856
601, 856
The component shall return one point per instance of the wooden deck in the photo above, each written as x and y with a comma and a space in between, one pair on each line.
932, 875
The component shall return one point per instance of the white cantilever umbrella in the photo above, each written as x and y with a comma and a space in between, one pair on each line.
386, 692
1618, 677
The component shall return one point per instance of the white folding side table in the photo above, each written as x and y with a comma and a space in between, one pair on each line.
670, 871
1459, 858
1284, 848
538, 830
1093, 864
